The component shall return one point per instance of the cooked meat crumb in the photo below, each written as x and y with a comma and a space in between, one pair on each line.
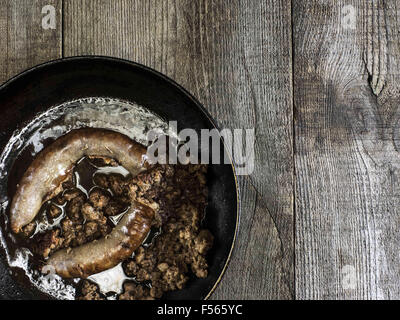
47, 243
53, 211
133, 291
99, 198
29, 229
91, 213
74, 207
90, 291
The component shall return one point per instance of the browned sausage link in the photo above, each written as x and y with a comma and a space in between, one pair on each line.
100, 255
54, 163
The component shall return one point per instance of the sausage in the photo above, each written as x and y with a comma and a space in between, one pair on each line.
107, 252
54, 164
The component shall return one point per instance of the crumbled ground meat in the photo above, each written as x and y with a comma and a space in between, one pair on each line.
53, 211
46, 243
101, 180
117, 184
180, 193
29, 229
99, 198
115, 206
203, 241
177, 193
134, 291
68, 195
74, 207
90, 291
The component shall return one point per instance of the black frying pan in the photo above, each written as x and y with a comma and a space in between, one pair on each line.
59, 81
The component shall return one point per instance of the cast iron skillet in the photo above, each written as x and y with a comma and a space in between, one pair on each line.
59, 81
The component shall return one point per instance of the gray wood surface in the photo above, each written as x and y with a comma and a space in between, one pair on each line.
24, 43
346, 100
320, 215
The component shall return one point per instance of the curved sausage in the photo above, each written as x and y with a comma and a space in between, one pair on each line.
54, 163
100, 255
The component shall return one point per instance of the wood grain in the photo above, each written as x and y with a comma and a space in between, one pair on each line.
24, 43
235, 57
347, 162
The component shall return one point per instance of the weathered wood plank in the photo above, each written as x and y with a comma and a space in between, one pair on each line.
235, 57
24, 43
346, 140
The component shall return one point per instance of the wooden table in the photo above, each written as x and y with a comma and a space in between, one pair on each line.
319, 82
